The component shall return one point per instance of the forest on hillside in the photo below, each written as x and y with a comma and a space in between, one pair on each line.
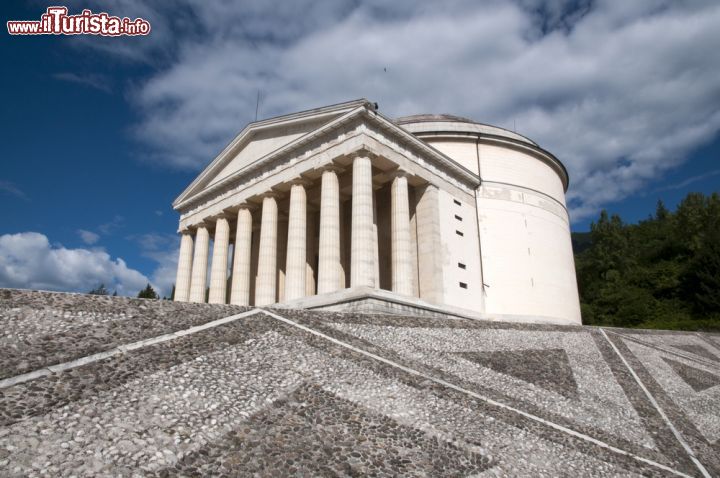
663, 272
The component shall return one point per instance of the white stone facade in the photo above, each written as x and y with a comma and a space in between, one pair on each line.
341, 205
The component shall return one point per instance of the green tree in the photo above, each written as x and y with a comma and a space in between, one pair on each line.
99, 290
661, 212
703, 277
691, 218
662, 272
148, 293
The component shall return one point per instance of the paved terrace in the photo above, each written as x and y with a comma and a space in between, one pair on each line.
101, 386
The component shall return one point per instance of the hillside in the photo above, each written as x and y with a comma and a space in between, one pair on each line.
99, 386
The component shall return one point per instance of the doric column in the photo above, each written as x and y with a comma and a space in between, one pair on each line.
184, 268
400, 236
295, 263
362, 243
267, 260
240, 289
199, 265
329, 249
218, 267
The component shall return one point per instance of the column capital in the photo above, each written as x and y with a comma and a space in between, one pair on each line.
211, 220
232, 210
198, 225
397, 173
362, 153
300, 182
269, 194
332, 167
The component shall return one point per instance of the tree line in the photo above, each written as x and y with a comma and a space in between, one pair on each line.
663, 272
147, 293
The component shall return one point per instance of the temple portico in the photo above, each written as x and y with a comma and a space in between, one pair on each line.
317, 234
341, 208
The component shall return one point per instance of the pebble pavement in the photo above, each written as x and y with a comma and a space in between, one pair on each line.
290, 392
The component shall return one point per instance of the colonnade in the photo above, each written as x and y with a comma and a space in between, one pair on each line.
192, 281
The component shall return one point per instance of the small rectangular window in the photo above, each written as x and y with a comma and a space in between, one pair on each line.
459, 233
458, 217
457, 202
461, 265
463, 285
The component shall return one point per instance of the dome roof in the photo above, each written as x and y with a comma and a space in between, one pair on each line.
432, 117
445, 123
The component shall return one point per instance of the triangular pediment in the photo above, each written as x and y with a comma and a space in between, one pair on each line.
261, 138
261, 143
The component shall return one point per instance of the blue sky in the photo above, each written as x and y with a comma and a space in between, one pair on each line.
101, 134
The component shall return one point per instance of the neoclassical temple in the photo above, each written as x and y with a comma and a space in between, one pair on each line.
341, 208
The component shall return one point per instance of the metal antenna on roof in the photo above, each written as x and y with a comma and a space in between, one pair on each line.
257, 105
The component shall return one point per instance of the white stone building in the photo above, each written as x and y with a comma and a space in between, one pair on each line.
341, 208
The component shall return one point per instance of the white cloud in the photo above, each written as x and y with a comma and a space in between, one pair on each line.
621, 92
99, 82
691, 180
28, 261
88, 237
8, 187
109, 228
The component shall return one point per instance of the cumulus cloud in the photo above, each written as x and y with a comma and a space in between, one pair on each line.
88, 237
621, 92
29, 261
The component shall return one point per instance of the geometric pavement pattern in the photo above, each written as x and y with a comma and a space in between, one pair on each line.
682, 372
328, 394
551, 368
698, 379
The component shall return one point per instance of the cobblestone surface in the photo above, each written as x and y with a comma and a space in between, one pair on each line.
332, 394
45, 328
